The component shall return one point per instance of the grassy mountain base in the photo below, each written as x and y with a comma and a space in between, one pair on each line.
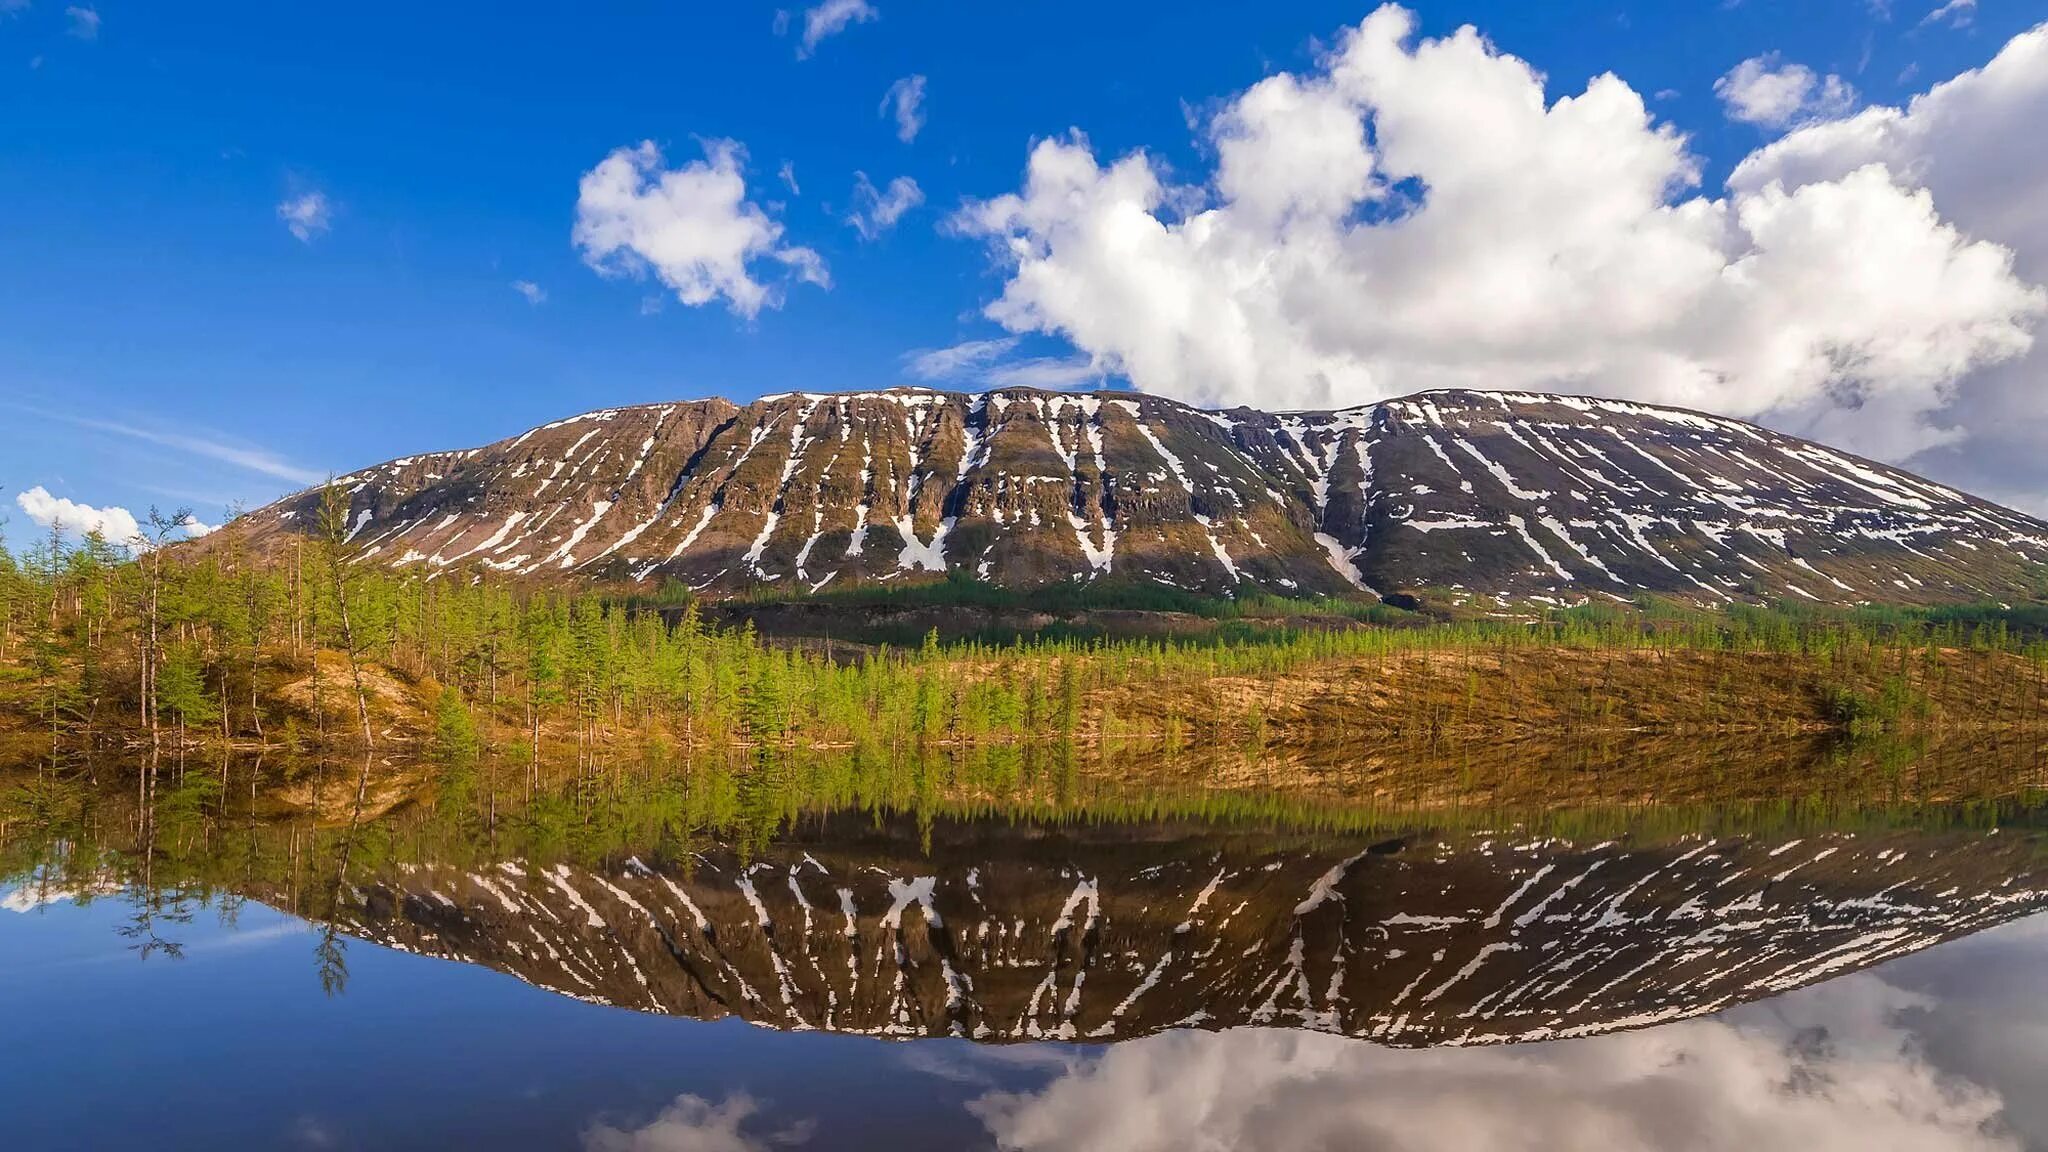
1431, 692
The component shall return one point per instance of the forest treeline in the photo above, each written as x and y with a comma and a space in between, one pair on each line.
104, 643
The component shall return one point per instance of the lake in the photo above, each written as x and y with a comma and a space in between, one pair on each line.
785, 956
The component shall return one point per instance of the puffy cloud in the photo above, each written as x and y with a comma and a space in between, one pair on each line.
306, 215
1762, 90
85, 22
876, 210
692, 227
1833, 1068
1963, 141
906, 98
1417, 215
694, 1124
534, 293
1958, 140
117, 524
830, 19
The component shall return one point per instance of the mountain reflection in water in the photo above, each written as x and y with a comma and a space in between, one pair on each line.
1264, 978
1004, 933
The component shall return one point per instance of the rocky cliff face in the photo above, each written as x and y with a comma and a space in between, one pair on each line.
999, 932
1457, 496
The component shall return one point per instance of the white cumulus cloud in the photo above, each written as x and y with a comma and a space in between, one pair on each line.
1414, 215
1764, 90
905, 99
117, 524
1961, 140
876, 210
692, 227
306, 215
1967, 142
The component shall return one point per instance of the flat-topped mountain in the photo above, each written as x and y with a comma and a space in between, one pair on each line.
1449, 496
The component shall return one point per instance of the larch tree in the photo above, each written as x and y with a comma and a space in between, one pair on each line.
335, 532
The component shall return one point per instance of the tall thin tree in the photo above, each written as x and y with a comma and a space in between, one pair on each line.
334, 528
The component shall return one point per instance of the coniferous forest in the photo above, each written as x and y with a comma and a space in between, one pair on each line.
156, 644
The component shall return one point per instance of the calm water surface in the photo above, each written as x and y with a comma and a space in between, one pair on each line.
598, 972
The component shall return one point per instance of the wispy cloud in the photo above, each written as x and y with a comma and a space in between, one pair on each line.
200, 443
1045, 372
987, 362
85, 22
534, 293
967, 358
876, 210
694, 1124
830, 19
1958, 13
306, 215
906, 97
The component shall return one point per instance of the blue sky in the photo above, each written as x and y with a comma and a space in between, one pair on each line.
167, 338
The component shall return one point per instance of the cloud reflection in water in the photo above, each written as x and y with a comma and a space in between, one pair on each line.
693, 1124
1838, 1067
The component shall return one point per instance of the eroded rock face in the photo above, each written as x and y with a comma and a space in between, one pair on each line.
1097, 934
1453, 494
